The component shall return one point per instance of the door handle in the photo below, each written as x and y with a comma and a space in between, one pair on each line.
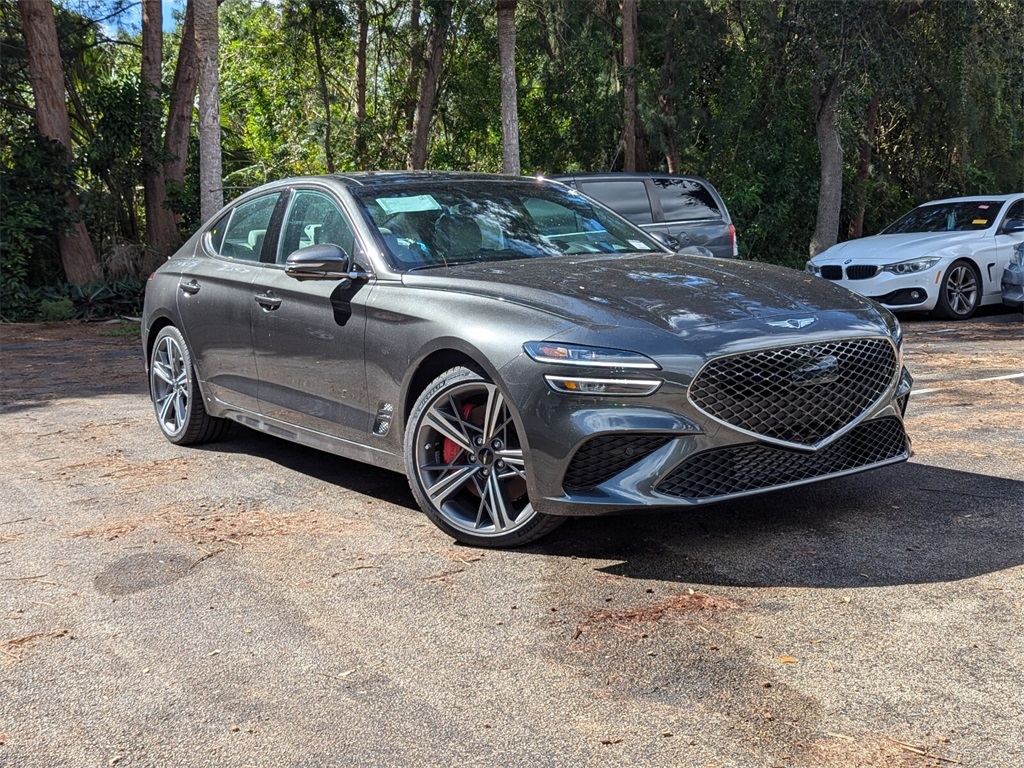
268, 301
191, 287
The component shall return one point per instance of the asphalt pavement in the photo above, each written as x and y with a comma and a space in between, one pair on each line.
256, 603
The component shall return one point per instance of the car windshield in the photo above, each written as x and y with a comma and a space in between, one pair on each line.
454, 222
967, 216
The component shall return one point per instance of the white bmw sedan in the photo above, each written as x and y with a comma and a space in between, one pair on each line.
946, 257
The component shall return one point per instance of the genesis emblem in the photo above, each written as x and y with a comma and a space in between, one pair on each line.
795, 322
824, 370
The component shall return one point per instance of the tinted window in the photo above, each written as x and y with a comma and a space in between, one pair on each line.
247, 228
1016, 211
447, 223
948, 217
628, 198
314, 218
685, 199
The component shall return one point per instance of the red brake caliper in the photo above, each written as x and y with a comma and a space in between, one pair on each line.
451, 448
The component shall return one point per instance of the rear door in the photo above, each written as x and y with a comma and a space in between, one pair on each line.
692, 214
215, 301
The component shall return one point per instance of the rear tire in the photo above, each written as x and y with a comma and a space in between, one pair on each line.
960, 292
467, 467
175, 392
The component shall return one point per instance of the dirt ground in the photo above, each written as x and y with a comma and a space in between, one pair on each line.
253, 603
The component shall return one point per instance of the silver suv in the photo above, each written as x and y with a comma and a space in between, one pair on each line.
685, 208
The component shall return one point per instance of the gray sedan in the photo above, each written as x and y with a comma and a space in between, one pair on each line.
520, 353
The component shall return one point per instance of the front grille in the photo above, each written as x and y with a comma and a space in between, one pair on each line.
861, 271
832, 272
798, 395
754, 466
602, 458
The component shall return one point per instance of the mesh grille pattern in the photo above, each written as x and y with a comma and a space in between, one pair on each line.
602, 458
799, 395
832, 272
861, 271
755, 466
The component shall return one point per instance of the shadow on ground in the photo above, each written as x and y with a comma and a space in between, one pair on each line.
906, 524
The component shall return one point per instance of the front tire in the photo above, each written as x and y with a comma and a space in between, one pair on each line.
175, 392
466, 464
960, 292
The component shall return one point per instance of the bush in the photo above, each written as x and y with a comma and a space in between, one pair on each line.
55, 310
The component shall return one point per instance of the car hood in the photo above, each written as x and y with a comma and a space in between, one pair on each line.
669, 291
886, 249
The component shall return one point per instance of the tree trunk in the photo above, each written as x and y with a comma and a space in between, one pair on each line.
860, 183
629, 52
362, 32
509, 102
161, 231
325, 94
46, 74
183, 97
436, 39
667, 101
412, 84
211, 180
830, 193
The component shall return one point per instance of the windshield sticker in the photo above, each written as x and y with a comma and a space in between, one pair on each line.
983, 206
639, 246
409, 204
977, 222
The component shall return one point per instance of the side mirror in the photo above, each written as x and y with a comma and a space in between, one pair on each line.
320, 262
667, 240
1012, 225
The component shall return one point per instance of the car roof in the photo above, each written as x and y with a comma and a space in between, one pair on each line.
974, 199
597, 175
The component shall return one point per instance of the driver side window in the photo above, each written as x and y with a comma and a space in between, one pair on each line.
314, 218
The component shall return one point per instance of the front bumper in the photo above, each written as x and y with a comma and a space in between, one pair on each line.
590, 456
918, 291
1013, 286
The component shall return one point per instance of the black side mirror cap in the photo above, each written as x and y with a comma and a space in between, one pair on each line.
326, 261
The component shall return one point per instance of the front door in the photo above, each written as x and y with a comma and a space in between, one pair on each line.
308, 336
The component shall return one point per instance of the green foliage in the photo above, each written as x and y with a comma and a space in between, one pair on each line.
725, 91
56, 310
98, 300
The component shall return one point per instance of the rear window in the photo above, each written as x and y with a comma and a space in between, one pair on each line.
627, 198
686, 199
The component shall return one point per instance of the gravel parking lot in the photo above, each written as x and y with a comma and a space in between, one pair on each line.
255, 603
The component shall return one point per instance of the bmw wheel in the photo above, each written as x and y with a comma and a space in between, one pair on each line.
466, 464
172, 385
960, 292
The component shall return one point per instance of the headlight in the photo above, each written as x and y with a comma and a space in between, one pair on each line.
813, 268
574, 385
896, 331
590, 357
912, 266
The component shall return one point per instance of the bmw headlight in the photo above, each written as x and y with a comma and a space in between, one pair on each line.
813, 268
912, 266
